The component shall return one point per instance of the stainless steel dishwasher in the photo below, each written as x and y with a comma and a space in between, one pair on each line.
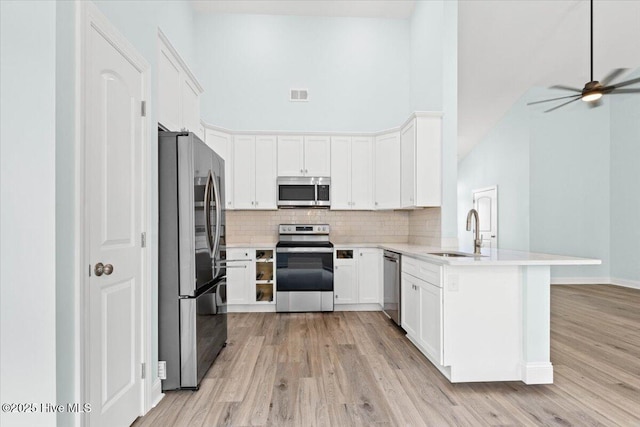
391, 306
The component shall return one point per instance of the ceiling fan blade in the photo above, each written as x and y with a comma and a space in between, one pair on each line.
621, 84
612, 76
614, 91
562, 105
553, 99
572, 89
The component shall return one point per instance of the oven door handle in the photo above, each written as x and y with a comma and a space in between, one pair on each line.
305, 250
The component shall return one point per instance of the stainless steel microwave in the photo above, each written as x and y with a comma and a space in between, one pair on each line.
302, 191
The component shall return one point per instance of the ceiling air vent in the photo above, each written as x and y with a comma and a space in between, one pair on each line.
299, 95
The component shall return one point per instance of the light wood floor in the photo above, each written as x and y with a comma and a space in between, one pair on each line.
356, 368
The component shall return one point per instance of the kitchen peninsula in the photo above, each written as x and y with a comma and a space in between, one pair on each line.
480, 318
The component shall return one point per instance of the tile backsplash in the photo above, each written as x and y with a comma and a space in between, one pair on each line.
261, 227
424, 227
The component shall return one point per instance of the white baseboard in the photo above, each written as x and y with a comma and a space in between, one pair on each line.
537, 373
156, 393
634, 284
251, 308
580, 280
357, 307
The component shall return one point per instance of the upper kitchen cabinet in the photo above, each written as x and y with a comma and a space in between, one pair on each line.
421, 161
254, 172
178, 91
387, 167
352, 173
304, 156
220, 142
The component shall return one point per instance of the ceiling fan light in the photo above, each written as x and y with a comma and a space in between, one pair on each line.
591, 96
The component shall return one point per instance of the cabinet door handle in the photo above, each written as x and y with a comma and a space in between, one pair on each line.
256, 203
301, 170
252, 203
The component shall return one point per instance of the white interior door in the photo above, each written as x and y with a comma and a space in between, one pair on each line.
113, 224
485, 201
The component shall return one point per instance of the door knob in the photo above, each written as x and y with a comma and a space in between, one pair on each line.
101, 269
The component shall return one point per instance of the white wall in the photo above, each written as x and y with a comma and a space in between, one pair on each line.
449, 210
427, 38
502, 159
356, 71
567, 184
625, 185
66, 252
27, 202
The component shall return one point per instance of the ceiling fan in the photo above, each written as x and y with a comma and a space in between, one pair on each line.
593, 90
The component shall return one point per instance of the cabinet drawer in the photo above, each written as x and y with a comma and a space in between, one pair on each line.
422, 270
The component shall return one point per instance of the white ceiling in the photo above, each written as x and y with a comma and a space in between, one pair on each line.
504, 47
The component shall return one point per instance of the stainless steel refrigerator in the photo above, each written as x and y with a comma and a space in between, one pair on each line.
192, 322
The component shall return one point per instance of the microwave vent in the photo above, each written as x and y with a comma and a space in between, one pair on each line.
299, 95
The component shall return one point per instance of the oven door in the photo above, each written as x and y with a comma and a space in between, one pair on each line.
304, 269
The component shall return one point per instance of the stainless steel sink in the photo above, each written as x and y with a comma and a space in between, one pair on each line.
451, 254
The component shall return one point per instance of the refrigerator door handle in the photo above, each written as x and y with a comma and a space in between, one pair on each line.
216, 192
207, 214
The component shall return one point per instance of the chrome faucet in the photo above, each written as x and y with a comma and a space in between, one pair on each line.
477, 241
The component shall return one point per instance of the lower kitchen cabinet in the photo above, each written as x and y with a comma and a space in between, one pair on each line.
430, 330
410, 305
345, 277
251, 277
369, 276
357, 276
422, 304
240, 271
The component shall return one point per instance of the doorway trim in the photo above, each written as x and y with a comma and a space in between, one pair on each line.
88, 15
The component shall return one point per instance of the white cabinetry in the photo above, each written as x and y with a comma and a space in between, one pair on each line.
304, 156
240, 273
370, 276
178, 91
220, 142
251, 279
387, 171
358, 276
345, 277
431, 335
352, 173
422, 306
410, 305
421, 161
254, 172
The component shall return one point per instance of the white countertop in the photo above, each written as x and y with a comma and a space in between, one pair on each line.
489, 257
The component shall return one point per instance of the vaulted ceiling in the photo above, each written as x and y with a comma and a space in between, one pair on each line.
504, 47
